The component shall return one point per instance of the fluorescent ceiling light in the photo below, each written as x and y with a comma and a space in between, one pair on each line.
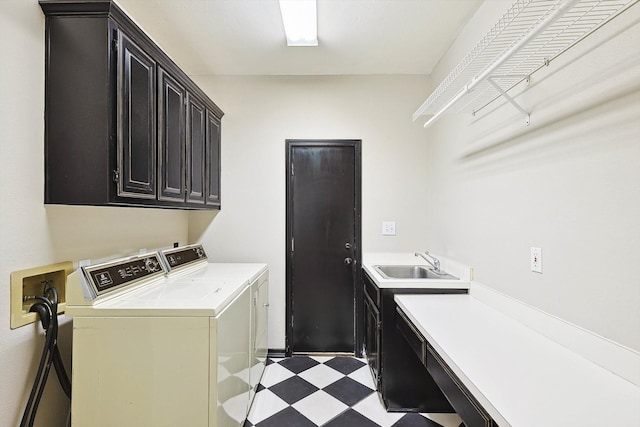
300, 22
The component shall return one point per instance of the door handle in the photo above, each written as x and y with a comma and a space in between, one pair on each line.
348, 245
348, 261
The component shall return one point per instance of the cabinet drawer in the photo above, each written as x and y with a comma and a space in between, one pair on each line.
465, 405
371, 289
415, 339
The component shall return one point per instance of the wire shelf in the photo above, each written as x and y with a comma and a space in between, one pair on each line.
529, 35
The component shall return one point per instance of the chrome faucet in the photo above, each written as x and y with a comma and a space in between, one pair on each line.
433, 262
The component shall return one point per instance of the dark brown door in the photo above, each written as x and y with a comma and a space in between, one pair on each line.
323, 224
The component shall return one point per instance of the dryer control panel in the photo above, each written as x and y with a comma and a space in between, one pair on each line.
183, 256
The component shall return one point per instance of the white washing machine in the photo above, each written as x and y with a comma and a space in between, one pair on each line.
166, 339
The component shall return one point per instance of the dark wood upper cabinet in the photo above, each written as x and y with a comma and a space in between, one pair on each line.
124, 125
171, 138
196, 153
213, 160
137, 115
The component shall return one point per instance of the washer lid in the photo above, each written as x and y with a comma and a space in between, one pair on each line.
204, 291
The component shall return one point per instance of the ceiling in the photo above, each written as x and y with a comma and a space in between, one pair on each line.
246, 37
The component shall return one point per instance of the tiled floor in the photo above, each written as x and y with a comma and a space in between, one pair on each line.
313, 391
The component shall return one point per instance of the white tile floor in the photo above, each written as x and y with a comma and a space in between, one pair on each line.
326, 391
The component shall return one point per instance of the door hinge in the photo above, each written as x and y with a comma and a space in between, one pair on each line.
292, 170
115, 45
379, 325
292, 244
116, 175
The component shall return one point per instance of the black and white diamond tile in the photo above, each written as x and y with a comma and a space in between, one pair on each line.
293, 389
327, 391
348, 391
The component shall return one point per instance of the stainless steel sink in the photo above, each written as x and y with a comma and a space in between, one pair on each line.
411, 272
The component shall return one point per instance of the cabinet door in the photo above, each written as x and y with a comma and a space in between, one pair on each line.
171, 138
212, 164
372, 338
196, 127
136, 152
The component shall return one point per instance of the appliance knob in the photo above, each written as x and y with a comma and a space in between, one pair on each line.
151, 264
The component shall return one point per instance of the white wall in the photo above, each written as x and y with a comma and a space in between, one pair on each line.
32, 234
482, 206
568, 183
261, 112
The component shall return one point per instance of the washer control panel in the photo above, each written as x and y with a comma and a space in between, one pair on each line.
114, 275
181, 257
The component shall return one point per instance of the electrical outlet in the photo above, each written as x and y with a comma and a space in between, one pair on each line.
536, 260
388, 228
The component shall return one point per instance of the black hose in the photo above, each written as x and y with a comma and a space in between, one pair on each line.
53, 343
47, 309
61, 373
45, 316
43, 383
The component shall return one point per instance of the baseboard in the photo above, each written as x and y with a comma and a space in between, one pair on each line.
617, 358
276, 353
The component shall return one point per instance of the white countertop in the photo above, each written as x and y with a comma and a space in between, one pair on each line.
203, 291
519, 376
370, 260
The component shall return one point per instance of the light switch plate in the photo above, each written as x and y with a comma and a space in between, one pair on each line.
388, 228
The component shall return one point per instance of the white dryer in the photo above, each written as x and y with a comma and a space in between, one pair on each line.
166, 340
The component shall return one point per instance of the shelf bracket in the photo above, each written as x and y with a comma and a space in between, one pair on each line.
510, 99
